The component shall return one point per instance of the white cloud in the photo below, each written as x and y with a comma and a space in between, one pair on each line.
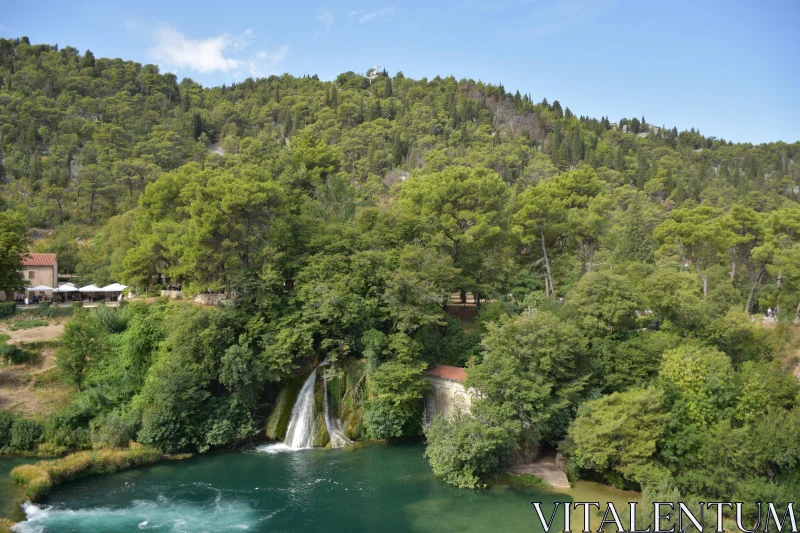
226, 53
363, 17
174, 49
325, 18
264, 62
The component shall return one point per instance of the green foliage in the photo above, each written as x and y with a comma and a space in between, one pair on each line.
738, 336
620, 434
394, 400
7, 309
12, 354
25, 434
45, 310
26, 324
13, 244
531, 375
522, 480
450, 344
83, 344
69, 428
7, 419
674, 297
632, 362
465, 451
763, 388
111, 430
702, 377
603, 304
112, 318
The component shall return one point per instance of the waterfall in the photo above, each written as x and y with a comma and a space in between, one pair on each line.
337, 436
300, 433
303, 422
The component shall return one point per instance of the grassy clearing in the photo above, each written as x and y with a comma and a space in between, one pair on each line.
44, 311
27, 324
39, 478
522, 480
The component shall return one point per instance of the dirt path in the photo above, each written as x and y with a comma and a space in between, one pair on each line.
42, 333
545, 469
29, 389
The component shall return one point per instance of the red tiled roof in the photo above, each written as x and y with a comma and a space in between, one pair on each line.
456, 373
39, 260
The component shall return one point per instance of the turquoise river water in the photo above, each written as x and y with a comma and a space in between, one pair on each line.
363, 488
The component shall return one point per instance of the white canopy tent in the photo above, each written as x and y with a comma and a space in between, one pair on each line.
90, 288
40, 288
114, 287
67, 287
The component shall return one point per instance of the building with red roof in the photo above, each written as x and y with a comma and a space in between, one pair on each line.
447, 390
453, 373
39, 269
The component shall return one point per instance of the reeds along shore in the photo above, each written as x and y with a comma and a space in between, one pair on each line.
40, 477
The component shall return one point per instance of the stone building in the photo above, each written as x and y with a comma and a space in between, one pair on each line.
447, 388
38, 269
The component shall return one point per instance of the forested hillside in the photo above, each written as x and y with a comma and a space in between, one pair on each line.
613, 262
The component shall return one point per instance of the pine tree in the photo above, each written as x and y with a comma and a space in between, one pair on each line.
197, 126
635, 244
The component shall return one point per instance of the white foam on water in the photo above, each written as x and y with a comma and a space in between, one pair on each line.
162, 515
278, 447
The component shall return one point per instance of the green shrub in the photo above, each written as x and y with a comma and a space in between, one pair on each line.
522, 480
46, 311
13, 354
465, 451
112, 319
111, 431
7, 309
7, 419
25, 434
83, 342
645, 321
77, 304
27, 324
68, 429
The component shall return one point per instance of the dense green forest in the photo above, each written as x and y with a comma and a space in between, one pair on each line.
612, 268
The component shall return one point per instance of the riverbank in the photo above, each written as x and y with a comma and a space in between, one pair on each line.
39, 478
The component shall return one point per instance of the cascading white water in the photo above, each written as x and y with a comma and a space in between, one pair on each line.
302, 424
337, 436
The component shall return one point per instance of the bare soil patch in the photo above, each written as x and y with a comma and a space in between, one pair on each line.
41, 333
33, 389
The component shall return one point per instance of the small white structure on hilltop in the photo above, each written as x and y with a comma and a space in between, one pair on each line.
447, 389
373, 73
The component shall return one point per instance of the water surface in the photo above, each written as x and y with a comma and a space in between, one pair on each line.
370, 487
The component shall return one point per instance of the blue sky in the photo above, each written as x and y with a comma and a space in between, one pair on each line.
729, 68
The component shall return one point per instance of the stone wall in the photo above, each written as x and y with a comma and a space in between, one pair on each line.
443, 395
174, 295
206, 298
